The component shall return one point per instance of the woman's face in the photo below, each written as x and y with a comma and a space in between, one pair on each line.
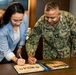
16, 19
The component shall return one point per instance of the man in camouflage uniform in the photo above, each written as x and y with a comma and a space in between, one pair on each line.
58, 29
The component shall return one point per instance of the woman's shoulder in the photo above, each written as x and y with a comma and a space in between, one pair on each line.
25, 16
25, 20
5, 29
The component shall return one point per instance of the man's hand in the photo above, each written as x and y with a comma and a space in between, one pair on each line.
73, 55
31, 59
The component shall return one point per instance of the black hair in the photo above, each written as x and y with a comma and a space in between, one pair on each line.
12, 9
1, 22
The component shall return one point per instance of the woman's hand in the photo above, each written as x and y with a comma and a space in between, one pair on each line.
20, 61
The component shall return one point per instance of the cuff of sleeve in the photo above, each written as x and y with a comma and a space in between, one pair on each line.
20, 47
21, 43
9, 56
74, 52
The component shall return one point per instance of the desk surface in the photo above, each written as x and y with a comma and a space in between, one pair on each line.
7, 69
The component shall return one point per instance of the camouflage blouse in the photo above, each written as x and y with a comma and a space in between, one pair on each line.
58, 42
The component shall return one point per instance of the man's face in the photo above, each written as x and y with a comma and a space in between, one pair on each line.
52, 16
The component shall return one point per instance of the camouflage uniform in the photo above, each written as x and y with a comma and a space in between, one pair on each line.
58, 42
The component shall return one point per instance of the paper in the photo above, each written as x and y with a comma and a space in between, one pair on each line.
41, 66
27, 68
56, 65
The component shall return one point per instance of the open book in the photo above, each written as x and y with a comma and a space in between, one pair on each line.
53, 65
41, 66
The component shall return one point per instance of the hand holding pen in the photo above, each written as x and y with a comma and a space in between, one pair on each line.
21, 61
20, 55
32, 59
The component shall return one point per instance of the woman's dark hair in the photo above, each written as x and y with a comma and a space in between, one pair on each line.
1, 22
12, 9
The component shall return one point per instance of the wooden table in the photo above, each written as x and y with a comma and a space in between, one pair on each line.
7, 69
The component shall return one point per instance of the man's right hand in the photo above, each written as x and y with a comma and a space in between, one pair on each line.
32, 60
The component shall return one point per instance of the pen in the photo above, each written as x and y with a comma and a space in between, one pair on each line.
20, 55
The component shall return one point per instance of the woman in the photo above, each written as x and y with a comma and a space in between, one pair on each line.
13, 31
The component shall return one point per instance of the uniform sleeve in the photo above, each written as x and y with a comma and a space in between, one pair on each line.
72, 21
33, 41
73, 36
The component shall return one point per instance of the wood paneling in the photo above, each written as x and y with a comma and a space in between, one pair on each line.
32, 17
